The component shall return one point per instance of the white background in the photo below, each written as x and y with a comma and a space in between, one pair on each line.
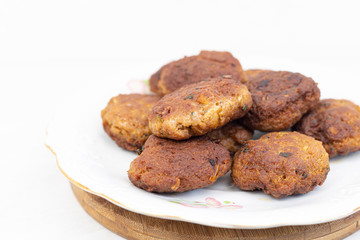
51, 49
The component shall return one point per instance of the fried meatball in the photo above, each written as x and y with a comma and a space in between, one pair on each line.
336, 123
176, 166
281, 164
199, 108
280, 99
125, 119
232, 136
195, 68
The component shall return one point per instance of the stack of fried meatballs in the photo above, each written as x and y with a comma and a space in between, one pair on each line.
199, 124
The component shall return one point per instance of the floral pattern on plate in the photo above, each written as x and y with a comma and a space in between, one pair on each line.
209, 203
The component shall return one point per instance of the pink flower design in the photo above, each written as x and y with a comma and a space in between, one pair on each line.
212, 202
209, 203
138, 86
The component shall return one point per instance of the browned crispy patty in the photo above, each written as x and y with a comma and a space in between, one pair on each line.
280, 99
195, 68
125, 119
199, 108
281, 164
232, 136
336, 123
176, 166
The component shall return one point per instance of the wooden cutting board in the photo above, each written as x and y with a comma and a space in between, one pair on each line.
131, 225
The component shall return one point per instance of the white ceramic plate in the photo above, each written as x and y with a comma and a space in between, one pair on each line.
91, 160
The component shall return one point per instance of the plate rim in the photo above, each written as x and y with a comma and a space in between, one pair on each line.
177, 218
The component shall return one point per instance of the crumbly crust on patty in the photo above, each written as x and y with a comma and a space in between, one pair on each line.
280, 99
193, 69
125, 119
199, 108
336, 123
232, 136
176, 166
281, 164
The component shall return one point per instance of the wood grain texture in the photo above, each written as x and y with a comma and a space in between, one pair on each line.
131, 225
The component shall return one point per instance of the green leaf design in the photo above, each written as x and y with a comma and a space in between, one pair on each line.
146, 82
